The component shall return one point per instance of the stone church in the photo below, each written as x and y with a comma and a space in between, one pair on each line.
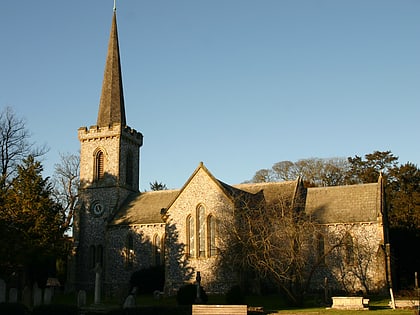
121, 230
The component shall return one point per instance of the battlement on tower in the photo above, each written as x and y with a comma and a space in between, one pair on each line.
115, 130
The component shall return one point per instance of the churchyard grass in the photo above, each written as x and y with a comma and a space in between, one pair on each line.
270, 304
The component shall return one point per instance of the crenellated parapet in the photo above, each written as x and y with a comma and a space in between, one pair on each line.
116, 130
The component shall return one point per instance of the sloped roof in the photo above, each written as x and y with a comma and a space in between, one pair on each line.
342, 204
338, 204
144, 208
273, 191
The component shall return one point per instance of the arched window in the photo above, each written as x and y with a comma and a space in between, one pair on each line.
320, 248
157, 250
211, 228
201, 229
129, 169
92, 256
190, 236
348, 249
129, 251
99, 165
96, 254
99, 255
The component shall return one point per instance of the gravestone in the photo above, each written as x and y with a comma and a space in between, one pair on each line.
47, 296
198, 285
98, 271
13, 295
81, 298
130, 301
2, 291
27, 296
37, 294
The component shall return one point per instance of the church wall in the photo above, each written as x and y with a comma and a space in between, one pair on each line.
119, 265
356, 265
181, 268
85, 276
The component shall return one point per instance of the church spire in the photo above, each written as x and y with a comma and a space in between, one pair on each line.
111, 106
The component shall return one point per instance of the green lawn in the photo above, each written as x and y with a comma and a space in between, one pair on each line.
270, 304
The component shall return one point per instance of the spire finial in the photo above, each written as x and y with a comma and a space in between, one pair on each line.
115, 5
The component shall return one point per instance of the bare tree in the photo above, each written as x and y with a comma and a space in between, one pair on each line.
267, 242
314, 171
66, 184
276, 243
263, 176
14, 144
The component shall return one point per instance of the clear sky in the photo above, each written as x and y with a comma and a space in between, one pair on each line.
237, 84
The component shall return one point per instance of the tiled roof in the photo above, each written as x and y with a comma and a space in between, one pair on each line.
339, 204
342, 204
273, 191
144, 208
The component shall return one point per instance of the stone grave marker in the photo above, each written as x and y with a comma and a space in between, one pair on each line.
27, 296
47, 296
2, 291
98, 284
81, 298
13, 295
130, 301
37, 293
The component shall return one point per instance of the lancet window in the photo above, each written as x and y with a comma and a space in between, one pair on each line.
99, 165
129, 169
201, 234
190, 236
96, 253
158, 250
129, 251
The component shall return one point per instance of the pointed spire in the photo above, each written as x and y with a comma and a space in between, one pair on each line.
111, 106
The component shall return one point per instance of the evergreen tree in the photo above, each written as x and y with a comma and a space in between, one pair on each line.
31, 222
155, 186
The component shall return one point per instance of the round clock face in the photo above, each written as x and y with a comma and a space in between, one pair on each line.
97, 209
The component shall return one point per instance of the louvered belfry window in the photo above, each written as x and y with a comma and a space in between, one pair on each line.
99, 165
129, 169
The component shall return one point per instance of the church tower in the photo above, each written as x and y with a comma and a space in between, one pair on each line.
109, 169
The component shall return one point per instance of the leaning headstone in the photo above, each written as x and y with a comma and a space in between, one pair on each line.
47, 296
13, 295
37, 293
130, 301
2, 291
81, 298
27, 296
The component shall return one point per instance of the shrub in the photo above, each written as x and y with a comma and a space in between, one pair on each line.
235, 295
13, 309
187, 295
148, 280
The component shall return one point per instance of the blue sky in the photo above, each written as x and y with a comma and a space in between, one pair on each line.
237, 84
